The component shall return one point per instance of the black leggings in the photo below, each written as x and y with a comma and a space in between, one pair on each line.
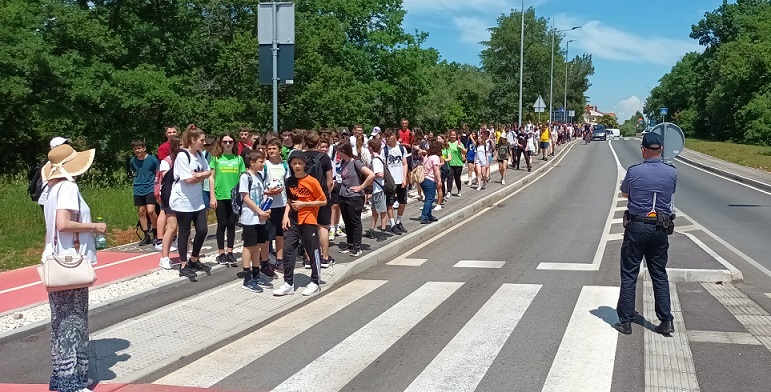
226, 219
455, 171
184, 219
350, 209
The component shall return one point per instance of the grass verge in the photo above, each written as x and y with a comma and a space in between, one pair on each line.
758, 157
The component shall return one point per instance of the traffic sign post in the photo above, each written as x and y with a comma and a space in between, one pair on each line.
275, 35
539, 107
663, 112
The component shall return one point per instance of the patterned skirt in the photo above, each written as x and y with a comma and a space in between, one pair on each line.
69, 340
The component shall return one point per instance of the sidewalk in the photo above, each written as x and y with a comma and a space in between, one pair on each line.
754, 177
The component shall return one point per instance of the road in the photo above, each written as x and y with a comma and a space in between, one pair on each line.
471, 310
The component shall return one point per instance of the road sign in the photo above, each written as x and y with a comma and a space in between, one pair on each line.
539, 105
673, 138
275, 36
571, 113
663, 111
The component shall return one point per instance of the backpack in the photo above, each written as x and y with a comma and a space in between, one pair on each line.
314, 168
418, 174
167, 181
503, 151
158, 183
389, 185
35, 178
235, 196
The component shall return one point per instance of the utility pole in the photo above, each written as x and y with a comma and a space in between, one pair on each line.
565, 106
521, 59
551, 83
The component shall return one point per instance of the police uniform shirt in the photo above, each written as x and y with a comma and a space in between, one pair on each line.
645, 179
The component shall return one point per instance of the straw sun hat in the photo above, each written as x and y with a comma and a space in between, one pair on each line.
65, 162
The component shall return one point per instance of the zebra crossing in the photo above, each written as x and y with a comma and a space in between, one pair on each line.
583, 361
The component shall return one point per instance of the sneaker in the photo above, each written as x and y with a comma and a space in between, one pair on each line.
356, 252
84, 390
370, 234
345, 248
264, 282
448, 196
158, 246
433, 218
438, 208
311, 289
222, 259
401, 227
395, 229
280, 266
268, 270
307, 264
285, 289
332, 235
252, 286
424, 221
165, 263
458, 195
187, 272
231, 258
340, 232
199, 266
328, 262
479, 187
503, 182
146, 241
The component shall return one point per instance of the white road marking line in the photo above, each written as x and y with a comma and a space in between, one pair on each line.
620, 208
751, 315
364, 346
769, 295
726, 178
616, 221
616, 237
267, 338
479, 264
462, 364
723, 337
595, 265
585, 358
686, 228
714, 254
407, 262
668, 360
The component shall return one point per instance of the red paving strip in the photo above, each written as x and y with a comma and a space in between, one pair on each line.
113, 266
111, 388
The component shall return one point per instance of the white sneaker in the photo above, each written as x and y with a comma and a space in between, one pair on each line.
158, 246
331, 235
449, 195
165, 263
458, 195
311, 289
438, 208
479, 187
503, 182
84, 390
285, 289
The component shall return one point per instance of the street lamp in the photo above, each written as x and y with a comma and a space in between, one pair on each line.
565, 106
521, 59
551, 83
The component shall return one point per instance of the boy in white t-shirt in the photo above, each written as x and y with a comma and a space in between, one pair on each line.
378, 195
251, 185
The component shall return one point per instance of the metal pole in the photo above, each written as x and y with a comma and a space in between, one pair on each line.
551, 82
521, 59
275, 66
565, 105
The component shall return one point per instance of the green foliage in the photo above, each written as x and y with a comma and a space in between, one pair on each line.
633, 125
723, 93
608, 121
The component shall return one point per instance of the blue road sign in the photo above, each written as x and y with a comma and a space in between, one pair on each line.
663, 111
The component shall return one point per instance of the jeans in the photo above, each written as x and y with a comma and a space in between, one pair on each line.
429, 192
644, 240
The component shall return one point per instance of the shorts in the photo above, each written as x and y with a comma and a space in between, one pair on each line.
144, 200
481, 162
254, 235
206, 200
400, 196
324, 217
379, 202
544, 145
274, 228
168, 211
334, 196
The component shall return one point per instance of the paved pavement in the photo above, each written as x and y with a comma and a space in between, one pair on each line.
518, 295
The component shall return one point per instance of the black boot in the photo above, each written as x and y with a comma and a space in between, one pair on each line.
665, 328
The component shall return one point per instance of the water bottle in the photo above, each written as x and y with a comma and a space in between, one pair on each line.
101, 240
265, 206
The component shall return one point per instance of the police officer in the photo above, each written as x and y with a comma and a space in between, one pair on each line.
649, 187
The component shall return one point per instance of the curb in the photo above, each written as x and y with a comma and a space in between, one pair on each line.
727, 174
682, 275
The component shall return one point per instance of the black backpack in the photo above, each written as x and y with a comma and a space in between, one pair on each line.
35, 178
167, 181
315, 169
236, 199
389, 185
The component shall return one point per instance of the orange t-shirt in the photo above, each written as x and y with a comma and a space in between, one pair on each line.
304, 189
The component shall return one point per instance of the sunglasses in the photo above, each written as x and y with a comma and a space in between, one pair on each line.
227, 142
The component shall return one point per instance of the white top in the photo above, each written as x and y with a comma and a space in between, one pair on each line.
277, 173
164, 167
248, 217
353, 141
187, 197
377, 167
394, 161
65, 196
43, 194
365, 157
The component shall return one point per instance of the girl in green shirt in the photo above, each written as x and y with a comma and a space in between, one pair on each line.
226, 166
457, 152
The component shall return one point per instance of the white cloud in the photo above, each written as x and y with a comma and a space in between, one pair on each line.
626, 108
490, 7
604, 41
472, 29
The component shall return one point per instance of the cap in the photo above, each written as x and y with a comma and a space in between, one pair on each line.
375, 131
651, 141
58, 141
296, 154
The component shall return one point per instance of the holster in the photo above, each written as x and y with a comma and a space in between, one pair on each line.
666, 223
625, 220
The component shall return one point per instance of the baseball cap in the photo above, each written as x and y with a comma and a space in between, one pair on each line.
296, 154
375, 131
58, 141
651, 141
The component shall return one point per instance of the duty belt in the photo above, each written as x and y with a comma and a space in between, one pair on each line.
644, 219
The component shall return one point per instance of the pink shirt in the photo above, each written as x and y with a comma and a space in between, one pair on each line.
429, 164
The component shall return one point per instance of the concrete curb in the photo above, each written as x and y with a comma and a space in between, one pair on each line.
683, 275
727, 174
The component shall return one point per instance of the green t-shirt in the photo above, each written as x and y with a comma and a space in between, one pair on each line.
285, 152
455, 156
227, 170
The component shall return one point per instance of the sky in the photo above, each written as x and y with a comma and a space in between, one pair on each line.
633, 43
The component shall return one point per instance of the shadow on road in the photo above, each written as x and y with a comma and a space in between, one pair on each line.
104, 355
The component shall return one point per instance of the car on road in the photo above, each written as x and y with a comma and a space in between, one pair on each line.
599, 133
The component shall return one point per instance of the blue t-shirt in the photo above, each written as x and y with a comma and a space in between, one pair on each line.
144, 174
645, 179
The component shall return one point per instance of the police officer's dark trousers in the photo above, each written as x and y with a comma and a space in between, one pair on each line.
642, 239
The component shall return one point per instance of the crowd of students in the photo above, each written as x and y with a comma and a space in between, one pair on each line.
318, 182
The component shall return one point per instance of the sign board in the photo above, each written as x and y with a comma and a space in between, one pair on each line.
571, 113
673, 138
284, 23
663, 111
539, 105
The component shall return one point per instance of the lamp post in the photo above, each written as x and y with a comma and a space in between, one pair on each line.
565, 106
551, 83
521, 59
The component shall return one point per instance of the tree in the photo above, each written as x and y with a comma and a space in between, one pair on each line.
608, 121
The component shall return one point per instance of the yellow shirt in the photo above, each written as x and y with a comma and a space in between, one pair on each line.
545, 136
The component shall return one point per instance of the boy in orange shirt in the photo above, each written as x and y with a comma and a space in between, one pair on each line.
305, 196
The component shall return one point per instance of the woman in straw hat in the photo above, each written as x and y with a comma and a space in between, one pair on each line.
68, 220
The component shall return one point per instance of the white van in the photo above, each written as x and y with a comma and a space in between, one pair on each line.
612, 132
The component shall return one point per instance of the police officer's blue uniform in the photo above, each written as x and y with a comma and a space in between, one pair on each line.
650, 186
